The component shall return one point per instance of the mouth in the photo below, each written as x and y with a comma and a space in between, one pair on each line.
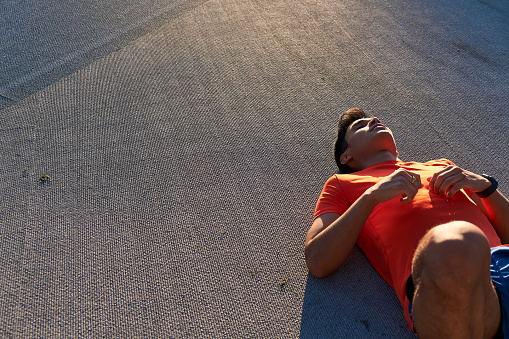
376, 126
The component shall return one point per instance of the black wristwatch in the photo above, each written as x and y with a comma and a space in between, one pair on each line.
487, 192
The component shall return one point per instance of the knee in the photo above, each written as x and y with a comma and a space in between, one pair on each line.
451, 255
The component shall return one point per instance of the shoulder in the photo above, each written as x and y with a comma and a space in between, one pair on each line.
336, 186
337, 180
333, 198
333, 179
334, 183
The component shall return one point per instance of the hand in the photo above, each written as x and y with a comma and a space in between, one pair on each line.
401, 182
450, 180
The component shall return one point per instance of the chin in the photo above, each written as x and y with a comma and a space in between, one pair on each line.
385, 134
387, 141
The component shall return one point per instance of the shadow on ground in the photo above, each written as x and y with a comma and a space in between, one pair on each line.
349, 304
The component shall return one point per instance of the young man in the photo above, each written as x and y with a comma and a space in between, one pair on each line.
432, 230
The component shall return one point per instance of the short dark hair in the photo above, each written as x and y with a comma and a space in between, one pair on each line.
340, 145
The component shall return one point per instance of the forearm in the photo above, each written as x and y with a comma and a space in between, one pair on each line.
497, 209
329, 249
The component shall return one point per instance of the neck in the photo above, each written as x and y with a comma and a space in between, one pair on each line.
380, 156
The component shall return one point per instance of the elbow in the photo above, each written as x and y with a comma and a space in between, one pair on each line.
318, 273
314, 264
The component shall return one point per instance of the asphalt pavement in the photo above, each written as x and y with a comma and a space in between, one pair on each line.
161, 162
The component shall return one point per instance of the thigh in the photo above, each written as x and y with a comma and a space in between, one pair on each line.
454, 294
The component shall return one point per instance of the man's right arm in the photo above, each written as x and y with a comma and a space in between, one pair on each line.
332, 236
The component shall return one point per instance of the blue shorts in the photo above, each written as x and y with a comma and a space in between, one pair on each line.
499, 275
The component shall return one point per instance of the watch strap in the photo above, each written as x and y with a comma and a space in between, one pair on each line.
489, 191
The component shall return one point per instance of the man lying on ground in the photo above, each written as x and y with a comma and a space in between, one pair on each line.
432, 230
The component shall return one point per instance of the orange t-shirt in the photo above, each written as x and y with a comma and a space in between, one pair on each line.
393, 230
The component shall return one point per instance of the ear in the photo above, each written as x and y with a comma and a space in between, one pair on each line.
345, 158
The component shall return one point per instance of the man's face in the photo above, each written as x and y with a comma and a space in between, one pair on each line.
367, 136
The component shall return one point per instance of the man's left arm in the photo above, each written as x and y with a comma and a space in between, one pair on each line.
497, 211
451, 179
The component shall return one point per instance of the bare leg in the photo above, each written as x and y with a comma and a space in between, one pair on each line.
454, 296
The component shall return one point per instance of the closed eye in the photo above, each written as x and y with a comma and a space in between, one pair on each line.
359, 124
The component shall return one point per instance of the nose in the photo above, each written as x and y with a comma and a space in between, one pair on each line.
374, 120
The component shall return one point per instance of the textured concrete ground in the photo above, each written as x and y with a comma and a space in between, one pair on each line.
186, 145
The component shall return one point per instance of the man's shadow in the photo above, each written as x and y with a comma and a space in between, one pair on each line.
353, 302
